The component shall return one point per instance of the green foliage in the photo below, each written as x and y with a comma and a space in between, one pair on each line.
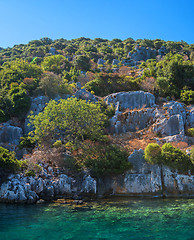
105, 84
153, 153
163, 86
168, 155
52, 85
57, 144
26, 142
190, 132
192, 156
30, 173
8, 160
56, 64
20, 101
2, 116
178, 72
82, 63
17, 70
71, 119
103, 159
187, 96
175, 158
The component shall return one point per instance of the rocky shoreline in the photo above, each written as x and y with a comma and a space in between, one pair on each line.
144, 180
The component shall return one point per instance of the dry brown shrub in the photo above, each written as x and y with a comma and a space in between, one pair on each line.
148, 84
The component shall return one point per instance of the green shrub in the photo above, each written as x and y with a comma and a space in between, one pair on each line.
30, 173
8, 160
107, 83
190, 132
187, 96
26, 142
153, 153
175, 158
169, 156
104, 159
2, 116
192, 155
57, 144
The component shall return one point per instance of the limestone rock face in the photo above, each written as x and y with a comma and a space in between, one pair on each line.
101, 61
143, 53
131, 100
190, 116
174, 108
10, 134
21, 189
131, 121
89, 185
37, 106
85, 95
148, 180
172, 126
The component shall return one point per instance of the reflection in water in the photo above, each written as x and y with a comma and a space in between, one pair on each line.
107, 219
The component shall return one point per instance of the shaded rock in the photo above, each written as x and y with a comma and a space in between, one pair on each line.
115, 62
174, 108
10, 134
131, 121
190, 116
101, 61
169, 127
85, 95
89, 185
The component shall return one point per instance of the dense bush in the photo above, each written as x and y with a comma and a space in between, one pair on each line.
26, 142
56, 64
105, 84
190, 132
71, 120
168, 155
153, 153
187, 96
175, 158
8, 160
103, 159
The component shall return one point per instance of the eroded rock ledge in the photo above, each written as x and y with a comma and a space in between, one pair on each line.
143, 180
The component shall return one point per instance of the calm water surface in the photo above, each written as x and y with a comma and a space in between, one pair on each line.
108, 219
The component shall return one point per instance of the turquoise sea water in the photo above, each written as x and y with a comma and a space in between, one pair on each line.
107, 219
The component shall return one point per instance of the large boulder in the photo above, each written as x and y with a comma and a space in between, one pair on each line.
169, 127
174, 108
131, 121
131, 100
190, 116
85, 95
10, 134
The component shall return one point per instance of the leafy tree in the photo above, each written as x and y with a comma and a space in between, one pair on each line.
179, 73
56, 64
153, 153
72, 120
8, 160
187, 96
175, 158
103, 159
17, 70
52, 85
82, 63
